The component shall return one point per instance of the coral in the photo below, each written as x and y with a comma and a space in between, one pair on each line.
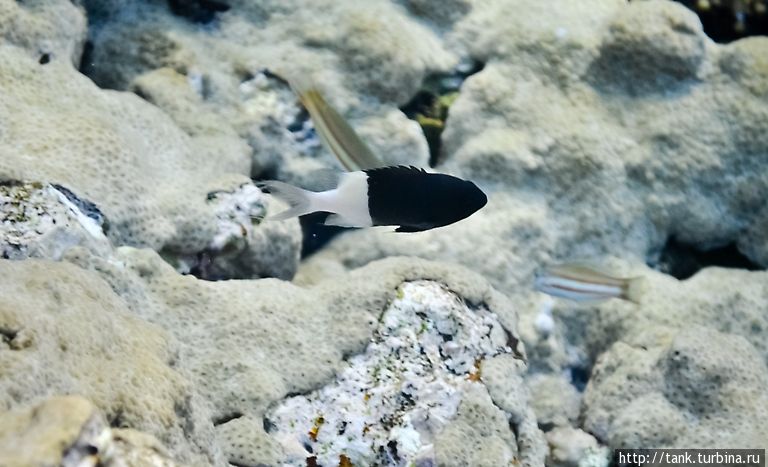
57, 431
47, 31
599, 128
70, 431
571, 447
698, 388
555, 400
602, 151
64, 331
339, 45
148, 178
730, 301
233, 334
243, 246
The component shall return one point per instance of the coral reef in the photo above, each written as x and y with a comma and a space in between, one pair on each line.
152, 314
248, 324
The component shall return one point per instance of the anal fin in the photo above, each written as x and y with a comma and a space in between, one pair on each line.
339, 221
410, 228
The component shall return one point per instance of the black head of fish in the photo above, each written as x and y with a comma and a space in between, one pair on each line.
417, 200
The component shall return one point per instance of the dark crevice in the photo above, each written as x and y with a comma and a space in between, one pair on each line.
198, 11
269, 425
44, 59
579, 377
86, 59
117, 420
682, 260
730, 21
227, 418
8, 334
429, 107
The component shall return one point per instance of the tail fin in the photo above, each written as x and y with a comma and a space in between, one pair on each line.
635, 289
300, 200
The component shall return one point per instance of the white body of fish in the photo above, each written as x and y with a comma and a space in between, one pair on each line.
348, 202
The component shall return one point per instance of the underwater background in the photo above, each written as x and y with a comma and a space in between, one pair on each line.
151, 312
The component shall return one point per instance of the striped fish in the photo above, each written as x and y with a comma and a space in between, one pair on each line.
339, 137
584, 284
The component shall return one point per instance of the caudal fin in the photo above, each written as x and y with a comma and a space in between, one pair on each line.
298, 199
635, 289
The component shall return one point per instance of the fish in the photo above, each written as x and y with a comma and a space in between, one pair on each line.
403, 196
582, 283
334, 131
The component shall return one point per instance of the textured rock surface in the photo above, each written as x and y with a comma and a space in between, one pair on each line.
571, 447
70, 431
699, 388
64, 331
730, 301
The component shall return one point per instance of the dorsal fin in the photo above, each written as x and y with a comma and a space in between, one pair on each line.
405, 169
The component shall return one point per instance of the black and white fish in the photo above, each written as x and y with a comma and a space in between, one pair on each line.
407, 197
584, 284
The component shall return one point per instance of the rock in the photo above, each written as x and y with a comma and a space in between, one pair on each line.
43, 221
64, 331
698, 389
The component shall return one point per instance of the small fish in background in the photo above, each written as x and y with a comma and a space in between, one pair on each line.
339, 137
407, 197
583, 284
